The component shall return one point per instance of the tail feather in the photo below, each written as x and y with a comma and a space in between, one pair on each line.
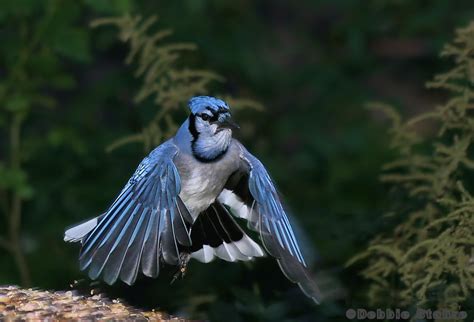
78, 232
216, 234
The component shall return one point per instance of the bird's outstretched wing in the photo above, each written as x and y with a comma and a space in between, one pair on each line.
143, 226
251, 194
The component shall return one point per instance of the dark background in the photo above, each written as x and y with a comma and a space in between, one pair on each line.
313, 64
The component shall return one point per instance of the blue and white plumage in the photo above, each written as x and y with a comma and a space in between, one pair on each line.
198, 104
180, 203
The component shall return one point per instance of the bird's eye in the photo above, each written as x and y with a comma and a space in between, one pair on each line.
205, 117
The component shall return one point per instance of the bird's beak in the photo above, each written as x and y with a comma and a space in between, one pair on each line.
228, 123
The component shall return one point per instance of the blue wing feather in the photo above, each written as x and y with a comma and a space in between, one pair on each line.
274, 226
268, 203
150, 260
144, 224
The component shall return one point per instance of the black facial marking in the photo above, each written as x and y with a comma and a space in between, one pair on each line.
211, 110
192, 127
222, 109
207, 117
215, 114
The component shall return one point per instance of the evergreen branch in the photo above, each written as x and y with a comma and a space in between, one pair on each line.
392, 253
357, 258
421, 118
423, 244
435, 234
123, 141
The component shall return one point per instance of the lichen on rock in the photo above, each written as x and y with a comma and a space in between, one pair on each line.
33, 305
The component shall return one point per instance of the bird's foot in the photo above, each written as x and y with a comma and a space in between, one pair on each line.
183, 264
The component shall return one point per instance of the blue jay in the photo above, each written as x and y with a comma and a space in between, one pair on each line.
180, 202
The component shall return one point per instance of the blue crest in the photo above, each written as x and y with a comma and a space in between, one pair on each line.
198, 104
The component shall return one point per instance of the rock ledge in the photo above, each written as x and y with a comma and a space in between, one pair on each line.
32, 304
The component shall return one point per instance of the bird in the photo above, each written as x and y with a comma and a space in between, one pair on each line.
182, 202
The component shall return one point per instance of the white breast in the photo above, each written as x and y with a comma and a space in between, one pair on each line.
201, 183
198, 191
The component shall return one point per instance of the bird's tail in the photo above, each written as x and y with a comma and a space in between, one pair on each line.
79, 232
216, 234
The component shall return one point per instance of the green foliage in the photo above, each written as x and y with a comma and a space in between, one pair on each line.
168, 85
32, 67
41, 45
428, 258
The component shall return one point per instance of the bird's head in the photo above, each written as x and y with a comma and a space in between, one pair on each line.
211, 125
211, 115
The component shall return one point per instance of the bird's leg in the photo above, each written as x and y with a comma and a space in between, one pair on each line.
183, 264
184, 259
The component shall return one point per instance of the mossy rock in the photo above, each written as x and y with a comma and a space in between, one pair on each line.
34, 305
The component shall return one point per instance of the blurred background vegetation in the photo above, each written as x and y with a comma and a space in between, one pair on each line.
66, 95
